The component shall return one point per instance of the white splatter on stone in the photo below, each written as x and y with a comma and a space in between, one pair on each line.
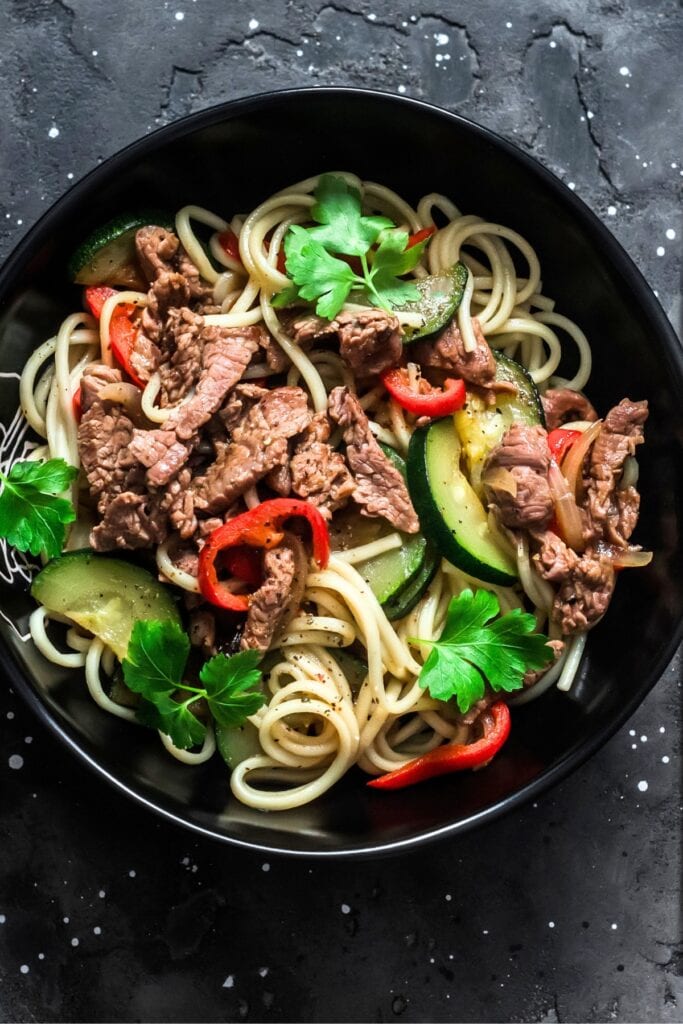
16, 761
263, 972
662, 728
402, 89
179, 15
632, 732
24, 968
670, 234
95, 53
74, 942
229, 981
27, 739
253, 25
97, 930
552, 44
665, 759
41, 956
65, 920
590, 115
642, 786
448, 897
131, 873
10, 714
612, 212
613, 926
265, 867
661, 250
345, 908
441, 38
624, 72
643, 739
53, 132
372, 17
551, 924
101, 894
2, 918
508, 24
571, 185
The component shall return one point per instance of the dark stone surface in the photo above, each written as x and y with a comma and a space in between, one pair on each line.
568, 910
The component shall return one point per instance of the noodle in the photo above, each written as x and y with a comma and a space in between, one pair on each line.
318, 722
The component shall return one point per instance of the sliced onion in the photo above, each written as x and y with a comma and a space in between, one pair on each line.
501, 480
631, 559
125, 393
566, 509
573, 460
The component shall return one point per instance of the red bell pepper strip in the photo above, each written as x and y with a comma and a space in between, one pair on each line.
95, 298
122, 335
244, 564
453, 757
230, 244
559, 442
77, 405
426, 400
260, 527
421, 236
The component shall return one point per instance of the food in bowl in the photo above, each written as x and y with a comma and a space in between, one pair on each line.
312, 490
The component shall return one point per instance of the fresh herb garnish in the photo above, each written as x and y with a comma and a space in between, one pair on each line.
32, 517
342, 228
154, 667
476, 647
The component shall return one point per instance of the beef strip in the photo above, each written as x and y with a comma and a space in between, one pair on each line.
586, 582
562, 404
130, 521
225, 355
181, 354
278, 599
370, 340
258, 445
380, 489
447, 352
522, 497
613, 512
319, 474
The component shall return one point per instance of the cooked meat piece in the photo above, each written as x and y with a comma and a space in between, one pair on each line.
380, 489
181, 354
586, 582
276, 358
319, 474
370, 340
269, 603
225, 355
515, 477
280, 480
241, 399
178, 502
172, 276
533, 676
258, 445
562, 405
129, 521
203, 629
104, 436
144, 356
612, 513
447, 352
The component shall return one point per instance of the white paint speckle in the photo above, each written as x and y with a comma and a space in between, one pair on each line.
590, 115
24, 968
440, 38
265, 867
253, 25
643, 739
670, 234
485, 931
402, 89
53, 132
632, 732
571, 185
662, 728
131, 873
665, 759
613, 926
41, 956
74, 942
16, 761
345, 908
624, 71
508, 24
101, 894
94, 53
552, 44
10, 714
448, 897
551, 924
65, 920
642, 786
612, 212
263, 972
28, 739
97, 930
634, 746
229, 981
372, 17
2, 918
661, 250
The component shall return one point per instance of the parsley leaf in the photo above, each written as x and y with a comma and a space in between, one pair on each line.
231, 686
338, 212
154, 667
320, 277
476, 647
32, 516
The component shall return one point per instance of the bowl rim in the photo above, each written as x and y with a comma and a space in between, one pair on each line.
614, 254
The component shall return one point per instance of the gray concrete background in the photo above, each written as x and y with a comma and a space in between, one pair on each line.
568, 911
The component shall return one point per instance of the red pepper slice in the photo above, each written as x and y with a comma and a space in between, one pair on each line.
428, 400
453, 757
122, 335
245, 564
95, 298
230, 244
77, 405
260, 527
421, 236
560, 441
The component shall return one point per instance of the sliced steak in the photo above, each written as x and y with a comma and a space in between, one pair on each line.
586, 582
613, 513
104, 436
272, 606
130, 521
173, 278
258, 445
226, 353
447, 352
515, 478
370, 340
380, 489
319, 473
181, 354
561, 405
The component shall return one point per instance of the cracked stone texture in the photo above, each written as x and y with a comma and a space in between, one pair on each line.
565, 911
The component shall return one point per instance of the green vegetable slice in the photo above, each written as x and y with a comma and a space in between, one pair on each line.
107, 256
440, 297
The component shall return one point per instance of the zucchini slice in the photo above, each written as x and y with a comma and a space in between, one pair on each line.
440, 296
237, 742
104, 595
452, 517
481, 426
406, 599
107, 256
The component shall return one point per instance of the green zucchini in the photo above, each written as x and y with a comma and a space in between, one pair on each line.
104, 595
451, 515
406, 599
353, 668
440, 296
107, 256
237, 743
481, 425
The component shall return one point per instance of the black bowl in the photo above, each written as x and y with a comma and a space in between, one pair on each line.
230, 158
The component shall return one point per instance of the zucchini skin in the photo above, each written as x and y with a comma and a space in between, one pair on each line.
92, 252
440, 533
406, 599
437, 313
